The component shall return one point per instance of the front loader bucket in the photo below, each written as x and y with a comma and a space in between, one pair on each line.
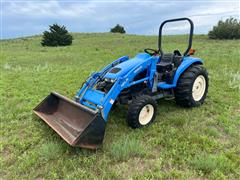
75, 123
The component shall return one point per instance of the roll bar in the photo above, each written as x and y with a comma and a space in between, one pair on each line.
189, 39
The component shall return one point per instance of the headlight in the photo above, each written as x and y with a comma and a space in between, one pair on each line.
109, 80
112, 80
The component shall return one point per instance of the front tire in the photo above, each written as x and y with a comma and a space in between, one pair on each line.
141, 112
192, 87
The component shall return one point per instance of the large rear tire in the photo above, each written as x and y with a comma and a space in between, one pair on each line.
141, 112
192, 87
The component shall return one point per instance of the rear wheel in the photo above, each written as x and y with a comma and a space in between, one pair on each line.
141, 112
192, 87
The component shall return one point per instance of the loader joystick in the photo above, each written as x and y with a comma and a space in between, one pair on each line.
151, 51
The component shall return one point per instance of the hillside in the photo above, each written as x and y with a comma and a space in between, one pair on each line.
183, 143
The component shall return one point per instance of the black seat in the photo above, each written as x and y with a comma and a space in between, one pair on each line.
166, 63
169, 61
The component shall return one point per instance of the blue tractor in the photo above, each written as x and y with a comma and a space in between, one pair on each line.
137, 82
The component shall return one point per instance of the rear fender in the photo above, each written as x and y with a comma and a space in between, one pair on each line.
186, 63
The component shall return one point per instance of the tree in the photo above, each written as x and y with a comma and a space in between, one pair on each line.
229, 29
118, 29
56, 36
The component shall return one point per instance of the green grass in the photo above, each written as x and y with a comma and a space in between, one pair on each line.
127, 147
208, 163
183, 143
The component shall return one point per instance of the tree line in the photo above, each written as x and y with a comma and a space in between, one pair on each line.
59, 36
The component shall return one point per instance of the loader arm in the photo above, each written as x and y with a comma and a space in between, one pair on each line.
96, 76
128, 81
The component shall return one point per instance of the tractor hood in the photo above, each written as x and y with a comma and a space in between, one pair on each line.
123, 68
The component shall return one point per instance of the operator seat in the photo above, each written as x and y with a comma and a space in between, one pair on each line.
169, 61
166, 63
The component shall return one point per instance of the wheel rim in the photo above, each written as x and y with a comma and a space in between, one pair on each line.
146, 114
199, 87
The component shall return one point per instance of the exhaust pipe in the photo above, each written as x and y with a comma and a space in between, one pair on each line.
78, 125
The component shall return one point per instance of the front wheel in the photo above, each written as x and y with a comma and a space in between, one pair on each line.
192, 87
141, 112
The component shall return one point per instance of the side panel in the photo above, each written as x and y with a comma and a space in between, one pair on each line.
126, 82
149, 64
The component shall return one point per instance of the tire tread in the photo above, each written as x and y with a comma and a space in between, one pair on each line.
183, 91
134, 110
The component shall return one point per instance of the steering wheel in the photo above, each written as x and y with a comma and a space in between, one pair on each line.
151, 51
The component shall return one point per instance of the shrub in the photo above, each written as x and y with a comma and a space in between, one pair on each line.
118, 29
57, 36
229, 29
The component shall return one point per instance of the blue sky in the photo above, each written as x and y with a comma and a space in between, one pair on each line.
28, 17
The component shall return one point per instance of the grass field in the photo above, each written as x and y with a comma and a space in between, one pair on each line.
183, 143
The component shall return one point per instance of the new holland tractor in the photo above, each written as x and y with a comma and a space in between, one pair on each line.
137, 82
